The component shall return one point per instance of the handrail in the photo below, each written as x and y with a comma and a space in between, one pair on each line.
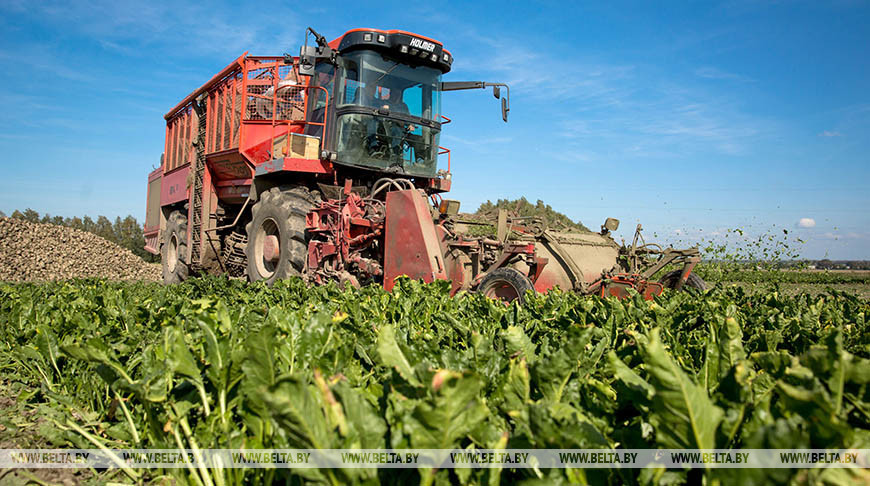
445, 150
275, 122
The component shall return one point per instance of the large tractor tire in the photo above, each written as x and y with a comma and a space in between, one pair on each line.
277, 247
507, 284
174, 252
694, 283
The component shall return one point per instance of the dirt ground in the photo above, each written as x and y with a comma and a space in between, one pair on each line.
18, 430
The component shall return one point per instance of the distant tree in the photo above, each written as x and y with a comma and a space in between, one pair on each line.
103, 228
523, 208
74, 222
27, 215
88, 225
132, 237
2, 214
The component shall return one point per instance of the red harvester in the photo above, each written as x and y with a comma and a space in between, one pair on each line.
325, 166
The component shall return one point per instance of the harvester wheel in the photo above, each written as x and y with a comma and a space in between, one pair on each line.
507, 284
277, 247
174, 251
693, 283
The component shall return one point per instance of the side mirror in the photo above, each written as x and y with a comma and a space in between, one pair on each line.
307, 56
504, 109
611, 224
496, 91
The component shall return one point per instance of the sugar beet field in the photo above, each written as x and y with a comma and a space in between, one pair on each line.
217, 363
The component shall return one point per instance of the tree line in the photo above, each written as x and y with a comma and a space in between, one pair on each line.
523, 208
126, 233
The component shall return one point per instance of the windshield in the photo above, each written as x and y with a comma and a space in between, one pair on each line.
388, 144
373, 80
398, 136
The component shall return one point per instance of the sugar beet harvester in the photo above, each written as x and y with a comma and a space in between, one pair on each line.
325, 166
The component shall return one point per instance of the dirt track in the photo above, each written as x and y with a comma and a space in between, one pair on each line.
39, 252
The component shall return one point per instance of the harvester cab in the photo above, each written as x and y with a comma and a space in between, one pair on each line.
385, 90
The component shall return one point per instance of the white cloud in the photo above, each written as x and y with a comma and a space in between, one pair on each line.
806, 223
137, 26
830, 133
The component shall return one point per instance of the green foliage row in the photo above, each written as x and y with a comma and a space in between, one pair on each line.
126, 233
214, 363
710, 272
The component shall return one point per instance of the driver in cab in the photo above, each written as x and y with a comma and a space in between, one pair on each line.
387, 98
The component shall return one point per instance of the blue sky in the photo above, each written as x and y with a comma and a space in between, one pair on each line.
690, 117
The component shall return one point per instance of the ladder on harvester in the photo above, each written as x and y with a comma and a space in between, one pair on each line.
198, 172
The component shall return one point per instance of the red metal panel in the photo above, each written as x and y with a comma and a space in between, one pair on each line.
315, 166
179, 128
165, 164
234, 182
210, 129
229, 165
174, 187
170, 147
175, 161
228, 111
172, 139
411, 243
233, 194
243, 88
188, 146
618, 286
258, 139
179, 140
152, 243
154, 175
234, 122
222, 127
219, 121
181, 122
152, 212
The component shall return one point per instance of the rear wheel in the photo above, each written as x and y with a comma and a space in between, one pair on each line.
277, 246
694, 282
506, 284
174, 251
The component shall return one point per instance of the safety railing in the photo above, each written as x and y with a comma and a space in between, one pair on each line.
442, 151
276, 95
224, 114
304, 120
